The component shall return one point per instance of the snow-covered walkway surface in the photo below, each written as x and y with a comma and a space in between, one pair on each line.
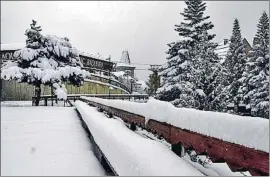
45, 141
128, 152
16, 103
250, 132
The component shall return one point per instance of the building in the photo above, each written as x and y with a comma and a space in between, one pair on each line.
125, 65
97, 83
223, 48
95, 61
247, 46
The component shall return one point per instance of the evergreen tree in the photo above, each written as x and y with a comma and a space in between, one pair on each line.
218, 95
177, 86
153, 83
188, 73
235, 64
47, 60
208, 72
255, 78
262, 32
195, 21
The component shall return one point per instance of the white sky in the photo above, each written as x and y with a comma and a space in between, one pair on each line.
144, 28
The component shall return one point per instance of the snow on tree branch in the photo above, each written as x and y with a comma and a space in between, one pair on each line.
48, 60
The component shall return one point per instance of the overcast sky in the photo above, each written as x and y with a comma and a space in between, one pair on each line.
143, 28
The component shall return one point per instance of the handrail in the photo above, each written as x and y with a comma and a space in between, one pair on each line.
123, 86
238, 157
100, 95
111, 82
75, 97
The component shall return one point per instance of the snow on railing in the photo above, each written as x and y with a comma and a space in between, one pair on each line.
113, 82
252, 132
129, 153
107, 84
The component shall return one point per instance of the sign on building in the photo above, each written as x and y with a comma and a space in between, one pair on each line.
7, 55
87, 61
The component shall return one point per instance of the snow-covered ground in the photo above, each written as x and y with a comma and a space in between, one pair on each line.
45, 141
60, 103
128, 152
16, 103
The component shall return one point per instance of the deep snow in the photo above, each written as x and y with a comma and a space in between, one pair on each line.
129, 153
251, 132
45, 141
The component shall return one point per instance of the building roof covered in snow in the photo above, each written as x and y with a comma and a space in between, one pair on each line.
125, 57
125, 60
89, 60
91, 55
13, 46
17, 46
223, 48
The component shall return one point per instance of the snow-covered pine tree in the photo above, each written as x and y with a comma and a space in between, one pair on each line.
47, 60
177, 83
190, 62
218, 94
209, 72
194, 21
255, 88
235, 64
262, 32
153, 83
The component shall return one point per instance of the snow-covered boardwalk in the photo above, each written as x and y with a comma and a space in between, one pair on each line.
45, 141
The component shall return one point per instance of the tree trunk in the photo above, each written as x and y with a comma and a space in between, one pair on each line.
37, 94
